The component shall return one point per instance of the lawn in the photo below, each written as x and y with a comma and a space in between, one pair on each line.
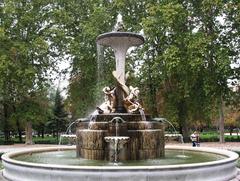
37, 140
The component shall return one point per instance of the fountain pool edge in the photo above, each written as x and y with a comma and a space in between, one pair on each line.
224, 169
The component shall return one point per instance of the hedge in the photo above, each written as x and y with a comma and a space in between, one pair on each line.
215, 138
36, 140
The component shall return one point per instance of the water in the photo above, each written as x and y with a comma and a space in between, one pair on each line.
60, 140
143, 117
119, 21
93, 118
116, 151
165, 120
68, 134
100, 59
70, 137
174, 129
68, 130
117, 140
117, 143
172, 157
100, 75
99, 100
117, 120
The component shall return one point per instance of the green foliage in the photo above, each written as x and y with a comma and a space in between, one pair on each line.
215, 138
58, 122
86, 21
188, 57
183, 68
209, 137
28, 51
38, 140
34, 108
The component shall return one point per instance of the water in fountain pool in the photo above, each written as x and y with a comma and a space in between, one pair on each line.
172, 157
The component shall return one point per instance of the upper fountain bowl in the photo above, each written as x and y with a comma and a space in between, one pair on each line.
110, 38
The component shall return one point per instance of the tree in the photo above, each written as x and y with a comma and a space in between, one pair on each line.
82, 24
168, 40
191, 60
59, 122
28, 52
33, 110
221, 46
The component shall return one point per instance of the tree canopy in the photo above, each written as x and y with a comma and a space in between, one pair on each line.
186, 69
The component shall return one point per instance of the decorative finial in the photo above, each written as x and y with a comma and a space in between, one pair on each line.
119, 25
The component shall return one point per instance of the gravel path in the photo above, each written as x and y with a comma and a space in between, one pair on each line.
234, 146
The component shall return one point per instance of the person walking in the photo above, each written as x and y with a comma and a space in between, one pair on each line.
193, 138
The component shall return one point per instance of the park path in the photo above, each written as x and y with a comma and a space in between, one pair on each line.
233, 146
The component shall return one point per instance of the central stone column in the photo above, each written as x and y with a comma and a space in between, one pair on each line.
120, 42
120, 51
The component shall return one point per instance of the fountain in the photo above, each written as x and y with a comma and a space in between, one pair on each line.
68, 134
120, 142
143, 136
116, 142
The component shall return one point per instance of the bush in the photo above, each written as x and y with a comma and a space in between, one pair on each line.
45, 140
214, 137
36, 140
3, 142
209, 138
234, 138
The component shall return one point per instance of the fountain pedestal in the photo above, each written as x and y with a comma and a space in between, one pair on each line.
117, 150
146, 138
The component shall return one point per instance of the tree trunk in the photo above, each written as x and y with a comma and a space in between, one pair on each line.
221, 121
29, 133
19, 131
182, 116
6, 124
42, 132
231, 130
57, 129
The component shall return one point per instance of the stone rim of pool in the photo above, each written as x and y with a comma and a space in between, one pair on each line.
223, 169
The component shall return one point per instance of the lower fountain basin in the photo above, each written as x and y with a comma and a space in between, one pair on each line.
222, 167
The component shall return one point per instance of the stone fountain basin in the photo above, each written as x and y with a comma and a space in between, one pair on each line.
219, 170
110, 38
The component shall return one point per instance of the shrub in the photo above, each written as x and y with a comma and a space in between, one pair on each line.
214, 137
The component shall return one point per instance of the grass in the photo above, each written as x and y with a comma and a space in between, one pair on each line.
36, 140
